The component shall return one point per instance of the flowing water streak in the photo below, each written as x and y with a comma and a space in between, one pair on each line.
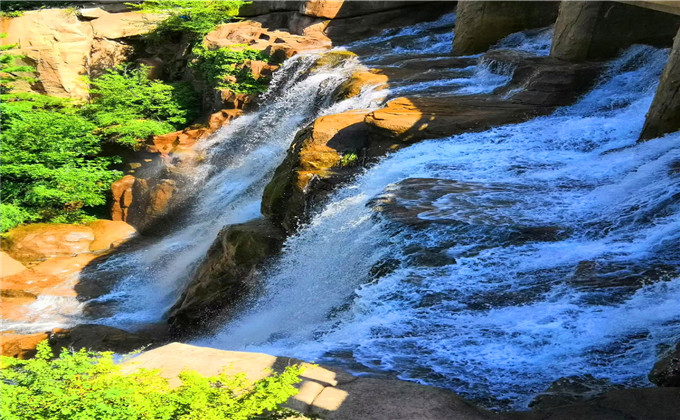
507, 318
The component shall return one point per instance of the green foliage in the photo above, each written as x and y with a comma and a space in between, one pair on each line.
9, 71
50, 167
128, 107
86, 385
195, 17
223, 68
12, 215
349, 159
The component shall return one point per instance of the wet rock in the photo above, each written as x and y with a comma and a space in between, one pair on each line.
227, 275
571, 389
97, 338
9, 266
360, 80
20, 346
666, 372
480, 24
312, 163
39, 241
600, 274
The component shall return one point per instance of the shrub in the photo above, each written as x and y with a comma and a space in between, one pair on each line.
128, 107
223, 68
85, 385
195, 17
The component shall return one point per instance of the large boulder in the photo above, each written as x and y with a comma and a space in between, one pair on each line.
227, 275
39, 241
571, 389
666, 371
324, 392
64, 48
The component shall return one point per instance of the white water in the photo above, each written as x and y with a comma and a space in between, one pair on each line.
504, 321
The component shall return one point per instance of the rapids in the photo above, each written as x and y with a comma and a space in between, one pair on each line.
459, 296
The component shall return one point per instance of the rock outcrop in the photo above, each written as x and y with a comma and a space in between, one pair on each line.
227, 275
65, 47
324, 392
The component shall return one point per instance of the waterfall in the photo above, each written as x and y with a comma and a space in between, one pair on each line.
497, 315
241, 159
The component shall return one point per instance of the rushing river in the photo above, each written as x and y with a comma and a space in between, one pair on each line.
488, 263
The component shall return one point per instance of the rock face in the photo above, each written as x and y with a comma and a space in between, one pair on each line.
324, 392
666, 371
480, 24
64, 48
598, 29
664, 113
227, 275
316, 155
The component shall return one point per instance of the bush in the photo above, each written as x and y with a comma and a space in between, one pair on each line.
128, 107
195, 17
223, 68
86, 385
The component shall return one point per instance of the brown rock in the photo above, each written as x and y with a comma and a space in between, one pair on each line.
124, 25
360, 80
666, 371
278, 44
58, 44
369, 398
316, 153
9, 266
109, 234
336, 9
227, 274
122, 197
20, 346
39, 241
324, 391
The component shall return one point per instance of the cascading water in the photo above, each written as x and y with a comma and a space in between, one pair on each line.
539, 250
240, 161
